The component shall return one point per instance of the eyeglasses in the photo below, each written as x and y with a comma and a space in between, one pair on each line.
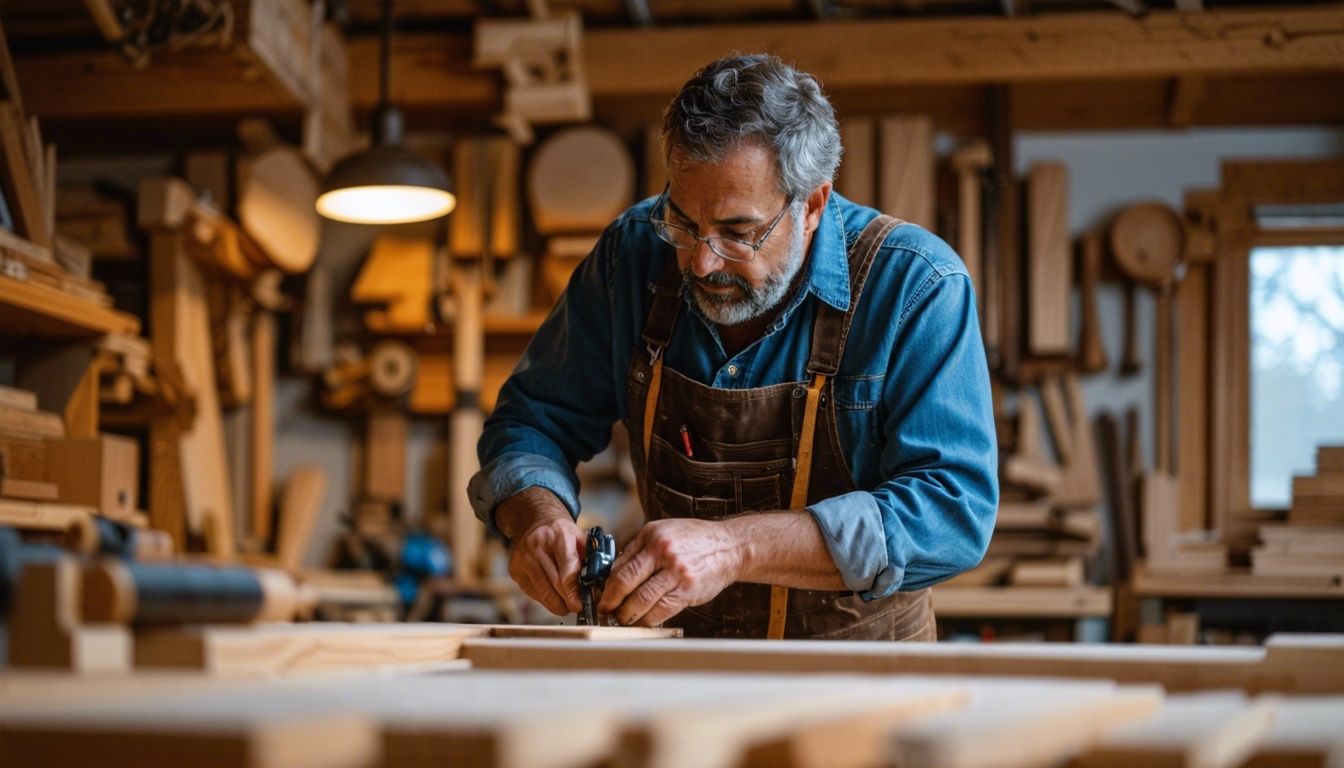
728, 248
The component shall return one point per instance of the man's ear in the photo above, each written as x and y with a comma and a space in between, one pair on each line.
816, 204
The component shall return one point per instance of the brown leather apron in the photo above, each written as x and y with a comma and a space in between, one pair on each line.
761, 449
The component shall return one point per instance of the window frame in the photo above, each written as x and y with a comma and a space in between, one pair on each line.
1214, 373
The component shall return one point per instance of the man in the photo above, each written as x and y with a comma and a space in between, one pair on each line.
803, 382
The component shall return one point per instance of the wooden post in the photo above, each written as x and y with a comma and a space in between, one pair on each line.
467, 421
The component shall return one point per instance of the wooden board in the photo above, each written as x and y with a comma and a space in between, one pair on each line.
1050, 269
18, 399
1022, 601
1057, 572
905, 183
42, 516
277, 206
1217, 730
289, 649
1305, 732
397, 273
858, 167
576, 632
181, 333
23, 191
1017, 728
1176, 668
30, 490
101, 472
23, 459
31, 425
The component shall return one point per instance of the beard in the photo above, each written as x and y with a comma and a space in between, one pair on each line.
748, 302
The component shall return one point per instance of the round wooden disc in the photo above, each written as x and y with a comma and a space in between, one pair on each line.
1147, 240
393, 367
277, 206
579, 180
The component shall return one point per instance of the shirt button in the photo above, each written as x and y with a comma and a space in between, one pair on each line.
732, 370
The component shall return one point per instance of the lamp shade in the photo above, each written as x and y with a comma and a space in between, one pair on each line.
386, 184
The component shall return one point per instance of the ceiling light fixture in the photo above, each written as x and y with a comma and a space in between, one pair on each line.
387, 183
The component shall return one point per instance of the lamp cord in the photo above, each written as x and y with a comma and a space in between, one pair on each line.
385, 56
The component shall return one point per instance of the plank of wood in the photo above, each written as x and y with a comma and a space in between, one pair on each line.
18, 399
970, 162
1091, 350
858, 167
655, 168
1022, 601
485, 178
1192, 382
163, 737
181, 333
299, 509
261, 427
101, 472
385, 455
1330, 459
23, 459
1057, 572
30, 490
1050, 273
287, 649
1057, 419
1304, 733
1006, 731
1214, 730
45, 630
1080, 485
22, 190
1239, 583
723, 729
30, 425
41, 516
906, 169
398, 273
1175, 668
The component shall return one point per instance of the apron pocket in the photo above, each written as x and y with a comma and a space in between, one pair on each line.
673, 503
761, 494
759, 450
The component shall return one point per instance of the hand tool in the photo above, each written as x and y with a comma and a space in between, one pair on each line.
599, 554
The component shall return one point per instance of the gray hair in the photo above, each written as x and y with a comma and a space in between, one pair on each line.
757, 97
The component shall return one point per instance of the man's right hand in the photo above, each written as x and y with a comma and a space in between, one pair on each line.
548, 548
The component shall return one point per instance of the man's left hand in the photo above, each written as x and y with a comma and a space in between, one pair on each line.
670, 565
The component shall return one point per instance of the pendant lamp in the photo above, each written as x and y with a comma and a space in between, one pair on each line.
387, 183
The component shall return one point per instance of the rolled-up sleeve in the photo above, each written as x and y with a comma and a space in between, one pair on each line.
933, 514
557, 407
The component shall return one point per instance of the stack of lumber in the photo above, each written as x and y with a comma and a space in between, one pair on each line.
30, 250
448, 714
1312, 542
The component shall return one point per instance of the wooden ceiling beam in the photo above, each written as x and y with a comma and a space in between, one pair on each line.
1069, 71
1072, 46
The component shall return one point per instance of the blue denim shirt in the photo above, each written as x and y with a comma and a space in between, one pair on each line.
912, 394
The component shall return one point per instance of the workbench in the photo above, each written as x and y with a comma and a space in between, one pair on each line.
349, 696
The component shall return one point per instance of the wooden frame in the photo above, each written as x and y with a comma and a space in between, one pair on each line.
1214, 439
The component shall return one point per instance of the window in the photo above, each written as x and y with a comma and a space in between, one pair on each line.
1297, 364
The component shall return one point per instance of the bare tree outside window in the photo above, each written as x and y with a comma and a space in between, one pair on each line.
1297, 364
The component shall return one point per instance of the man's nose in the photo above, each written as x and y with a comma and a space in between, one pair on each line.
704, 260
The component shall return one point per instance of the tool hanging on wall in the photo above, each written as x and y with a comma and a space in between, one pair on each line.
542, 61
1148, 242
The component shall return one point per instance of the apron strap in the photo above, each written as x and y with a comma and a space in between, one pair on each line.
779, 596
829, 332
658, 327
831, 328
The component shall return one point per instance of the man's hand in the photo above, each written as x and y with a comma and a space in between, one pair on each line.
547, 551
670, 565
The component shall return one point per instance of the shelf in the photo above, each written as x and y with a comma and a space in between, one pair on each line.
1235, 584
1022, 602
29, 309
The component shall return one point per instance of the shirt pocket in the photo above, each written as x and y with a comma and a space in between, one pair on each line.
858, 401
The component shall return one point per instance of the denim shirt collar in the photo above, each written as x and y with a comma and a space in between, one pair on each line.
828, 271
